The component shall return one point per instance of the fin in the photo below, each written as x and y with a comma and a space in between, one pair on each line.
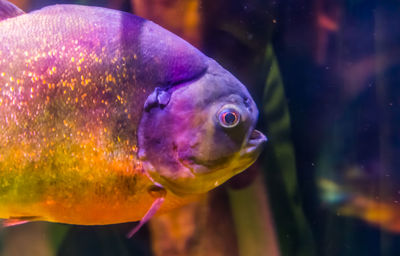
160, 191
15, 221
8, 10
158, 97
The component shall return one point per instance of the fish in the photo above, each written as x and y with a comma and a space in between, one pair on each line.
106, 117
376, 211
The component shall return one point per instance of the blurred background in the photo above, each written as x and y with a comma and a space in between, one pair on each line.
325, 76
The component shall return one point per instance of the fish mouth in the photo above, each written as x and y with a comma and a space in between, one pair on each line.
204, 175
255, 142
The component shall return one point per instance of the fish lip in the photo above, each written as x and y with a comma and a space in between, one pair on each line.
255, 142
256, 137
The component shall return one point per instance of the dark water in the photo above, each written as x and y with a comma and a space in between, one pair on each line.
325, 76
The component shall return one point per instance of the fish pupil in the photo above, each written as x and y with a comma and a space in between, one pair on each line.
230, 118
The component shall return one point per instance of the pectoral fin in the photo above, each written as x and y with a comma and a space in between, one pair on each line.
158, 192
149, 214
8, 10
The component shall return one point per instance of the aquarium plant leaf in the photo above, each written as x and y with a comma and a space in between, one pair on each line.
294, 234
254, 225
57, 232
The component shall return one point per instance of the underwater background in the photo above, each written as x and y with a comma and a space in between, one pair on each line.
324, 74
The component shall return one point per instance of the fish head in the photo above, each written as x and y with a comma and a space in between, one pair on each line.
196, 135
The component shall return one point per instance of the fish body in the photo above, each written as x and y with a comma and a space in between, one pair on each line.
102, 112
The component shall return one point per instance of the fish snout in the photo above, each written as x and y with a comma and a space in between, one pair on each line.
255, 143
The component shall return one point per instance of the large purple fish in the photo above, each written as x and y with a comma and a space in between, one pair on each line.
104, 116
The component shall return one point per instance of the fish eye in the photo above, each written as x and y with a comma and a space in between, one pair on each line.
229, 118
